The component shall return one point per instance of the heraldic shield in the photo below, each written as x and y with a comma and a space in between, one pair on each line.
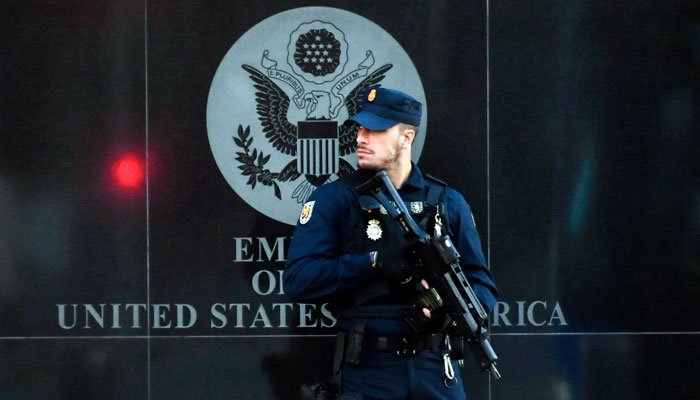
317, 147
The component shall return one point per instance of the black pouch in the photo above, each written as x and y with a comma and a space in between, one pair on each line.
457, 346
354, 345
349, 347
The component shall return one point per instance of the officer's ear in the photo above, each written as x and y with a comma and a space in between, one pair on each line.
407, 137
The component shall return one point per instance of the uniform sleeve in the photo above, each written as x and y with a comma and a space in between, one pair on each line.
315, 266
466, 240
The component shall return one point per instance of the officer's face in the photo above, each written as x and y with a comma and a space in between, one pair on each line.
378, 150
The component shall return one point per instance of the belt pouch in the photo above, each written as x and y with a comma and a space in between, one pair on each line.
457, 347
354, 348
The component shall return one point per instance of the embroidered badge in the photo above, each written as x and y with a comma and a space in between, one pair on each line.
306, 212
374, 231
416, 207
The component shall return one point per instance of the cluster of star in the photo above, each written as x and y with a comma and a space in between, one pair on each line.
317, 53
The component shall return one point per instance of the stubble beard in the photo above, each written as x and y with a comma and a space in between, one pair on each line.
384, 164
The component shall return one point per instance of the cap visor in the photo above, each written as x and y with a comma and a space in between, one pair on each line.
373, 122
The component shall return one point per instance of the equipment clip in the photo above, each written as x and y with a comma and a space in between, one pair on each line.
449, 371
438, 223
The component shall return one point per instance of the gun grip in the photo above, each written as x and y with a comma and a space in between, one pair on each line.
416, 319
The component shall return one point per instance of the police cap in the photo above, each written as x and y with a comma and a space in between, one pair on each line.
383, 108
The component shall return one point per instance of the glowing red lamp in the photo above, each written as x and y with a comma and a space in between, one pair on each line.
128, 171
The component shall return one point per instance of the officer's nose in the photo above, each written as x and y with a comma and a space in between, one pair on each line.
362, 135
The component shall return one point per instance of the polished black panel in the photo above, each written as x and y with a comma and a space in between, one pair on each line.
238, 367
207, 245
594, 167
597, 366
74, 369
73, 108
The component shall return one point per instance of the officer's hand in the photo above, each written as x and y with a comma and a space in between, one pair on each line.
393, 265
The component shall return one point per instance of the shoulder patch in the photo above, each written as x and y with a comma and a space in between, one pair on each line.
306, 212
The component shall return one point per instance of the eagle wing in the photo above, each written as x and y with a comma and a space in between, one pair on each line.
289, 172
348, 132
272, 108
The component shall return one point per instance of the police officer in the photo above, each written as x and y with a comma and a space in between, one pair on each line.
347, 251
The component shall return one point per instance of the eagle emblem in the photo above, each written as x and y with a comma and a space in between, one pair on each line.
279, 98
317, 142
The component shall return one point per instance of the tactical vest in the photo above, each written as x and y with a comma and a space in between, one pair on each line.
376, 297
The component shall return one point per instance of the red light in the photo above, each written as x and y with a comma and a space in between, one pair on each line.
128, 171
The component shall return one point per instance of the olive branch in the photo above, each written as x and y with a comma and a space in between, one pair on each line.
253, 164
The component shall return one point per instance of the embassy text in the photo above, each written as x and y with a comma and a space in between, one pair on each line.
185, 316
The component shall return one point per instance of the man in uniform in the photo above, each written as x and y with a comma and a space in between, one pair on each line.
347, 251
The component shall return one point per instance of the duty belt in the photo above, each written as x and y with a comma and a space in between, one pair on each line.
358, 342
403, 345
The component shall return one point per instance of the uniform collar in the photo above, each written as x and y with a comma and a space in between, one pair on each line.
415, 178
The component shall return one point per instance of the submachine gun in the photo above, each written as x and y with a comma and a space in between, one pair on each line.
437, 261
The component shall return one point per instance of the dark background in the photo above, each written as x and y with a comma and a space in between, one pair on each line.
573, 135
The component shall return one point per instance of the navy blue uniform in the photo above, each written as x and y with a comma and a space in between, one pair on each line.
329, 260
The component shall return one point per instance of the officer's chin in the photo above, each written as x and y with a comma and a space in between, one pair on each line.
368, 167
